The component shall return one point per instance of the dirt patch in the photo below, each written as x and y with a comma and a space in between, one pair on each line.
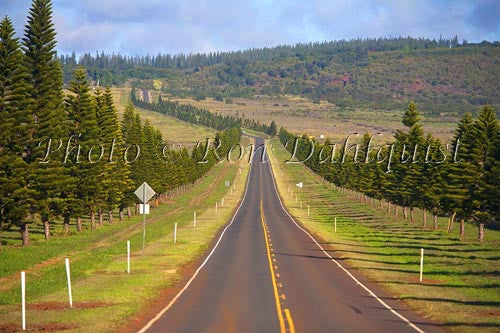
64, 306
490, 313
424, 281
49, 327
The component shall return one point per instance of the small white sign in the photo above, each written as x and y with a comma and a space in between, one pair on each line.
227, 183
141, 208
300, 184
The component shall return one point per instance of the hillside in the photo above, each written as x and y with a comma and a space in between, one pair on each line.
382, 75
440, 80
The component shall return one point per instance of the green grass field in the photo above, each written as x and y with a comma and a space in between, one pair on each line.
460, 289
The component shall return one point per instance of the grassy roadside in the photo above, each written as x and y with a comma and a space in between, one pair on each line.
104, 296
460, 288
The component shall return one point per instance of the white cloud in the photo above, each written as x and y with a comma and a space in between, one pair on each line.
152, 26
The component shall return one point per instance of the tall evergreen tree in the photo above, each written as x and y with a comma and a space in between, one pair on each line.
86, 168
458, 174
15, 196
485, 131
116, 174
50, 180
407, 171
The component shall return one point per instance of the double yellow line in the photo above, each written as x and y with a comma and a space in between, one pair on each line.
273, 279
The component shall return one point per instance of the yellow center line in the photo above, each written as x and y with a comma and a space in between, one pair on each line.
267, 238
290, 321
275, 287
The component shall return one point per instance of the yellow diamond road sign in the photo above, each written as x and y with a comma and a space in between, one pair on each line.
144, 192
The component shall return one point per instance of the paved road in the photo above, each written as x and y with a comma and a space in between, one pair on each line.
145, 96
267, 275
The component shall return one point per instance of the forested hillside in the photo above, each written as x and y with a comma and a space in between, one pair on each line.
442, 76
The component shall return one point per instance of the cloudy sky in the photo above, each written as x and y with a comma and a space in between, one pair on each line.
174, 26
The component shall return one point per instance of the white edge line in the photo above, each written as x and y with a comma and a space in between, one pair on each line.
388, 307
179, 294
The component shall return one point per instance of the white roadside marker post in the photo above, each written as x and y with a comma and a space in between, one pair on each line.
335, 228
23, 299
216, 207
307, 210
194, 219
175, 232
421, 263
128, 257
68, 276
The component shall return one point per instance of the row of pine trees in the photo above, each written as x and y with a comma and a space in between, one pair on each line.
66, 155
201, 116
463, 187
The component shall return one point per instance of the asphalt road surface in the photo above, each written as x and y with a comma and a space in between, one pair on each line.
266, 274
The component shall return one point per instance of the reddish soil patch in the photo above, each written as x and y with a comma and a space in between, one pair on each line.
49, 327
490, 313
63, 306
424, 280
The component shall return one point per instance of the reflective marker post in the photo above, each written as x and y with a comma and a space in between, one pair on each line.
421, 263
23, 299
68, 276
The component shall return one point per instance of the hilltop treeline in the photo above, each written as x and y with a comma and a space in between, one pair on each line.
413, 171
348, 51
66, 157
200, 116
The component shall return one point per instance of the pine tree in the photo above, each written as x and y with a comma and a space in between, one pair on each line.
116, 174
272, 130
429, 186
87, 169
15, 196
482, 155
457, 173
51, 180
407, 172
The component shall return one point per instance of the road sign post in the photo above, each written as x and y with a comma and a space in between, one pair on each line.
144, 193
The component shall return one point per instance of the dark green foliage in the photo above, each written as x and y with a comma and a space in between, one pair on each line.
116, 173
272, 130
15, 195
483, 155
50, 180
86, 167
